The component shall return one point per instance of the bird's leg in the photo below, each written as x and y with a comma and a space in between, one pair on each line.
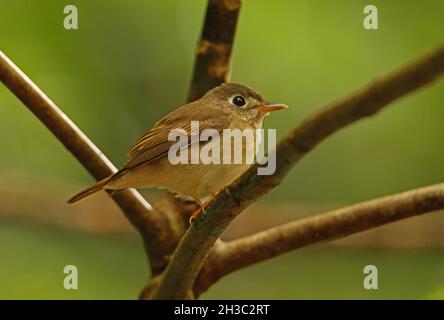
198, 211
213, 193
202, 205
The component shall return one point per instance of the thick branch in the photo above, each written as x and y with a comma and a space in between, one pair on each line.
195, 246
270, 243
148, 221
214, 48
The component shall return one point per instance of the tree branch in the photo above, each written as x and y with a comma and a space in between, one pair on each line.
240, 253
189, 256
152, 225
214, 49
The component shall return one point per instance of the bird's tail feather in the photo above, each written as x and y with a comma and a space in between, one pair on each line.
89, 191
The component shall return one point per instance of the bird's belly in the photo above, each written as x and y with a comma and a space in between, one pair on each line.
188, 181
220, 176
200, 181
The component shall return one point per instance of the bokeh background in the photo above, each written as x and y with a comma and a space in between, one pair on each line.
130, 63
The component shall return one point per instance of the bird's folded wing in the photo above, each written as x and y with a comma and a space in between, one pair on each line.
155, 145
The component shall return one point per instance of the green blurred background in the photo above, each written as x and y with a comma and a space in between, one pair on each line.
130, 63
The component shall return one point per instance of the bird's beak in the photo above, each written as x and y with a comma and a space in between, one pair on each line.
266, 108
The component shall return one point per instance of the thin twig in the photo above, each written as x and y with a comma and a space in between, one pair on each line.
189, 256
240, 253
152, 225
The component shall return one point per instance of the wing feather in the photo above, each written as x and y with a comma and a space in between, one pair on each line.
155, 145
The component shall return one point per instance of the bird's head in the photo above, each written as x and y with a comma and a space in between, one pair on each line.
241, 101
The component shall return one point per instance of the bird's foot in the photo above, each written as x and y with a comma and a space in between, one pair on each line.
196, 214
202, 206
213, 193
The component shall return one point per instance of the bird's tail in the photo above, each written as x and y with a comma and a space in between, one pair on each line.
91, 190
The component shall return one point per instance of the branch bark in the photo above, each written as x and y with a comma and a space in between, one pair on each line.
240, 253
151, 224
214, 49
189, 256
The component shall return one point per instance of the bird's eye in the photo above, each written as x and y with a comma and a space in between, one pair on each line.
239, 101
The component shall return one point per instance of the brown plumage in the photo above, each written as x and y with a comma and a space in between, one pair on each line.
148, 165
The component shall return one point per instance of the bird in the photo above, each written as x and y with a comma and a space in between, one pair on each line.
227, 106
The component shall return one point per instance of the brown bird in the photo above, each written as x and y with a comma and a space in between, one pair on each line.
228, 106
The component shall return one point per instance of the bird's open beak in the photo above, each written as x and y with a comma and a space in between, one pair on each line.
266, 108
